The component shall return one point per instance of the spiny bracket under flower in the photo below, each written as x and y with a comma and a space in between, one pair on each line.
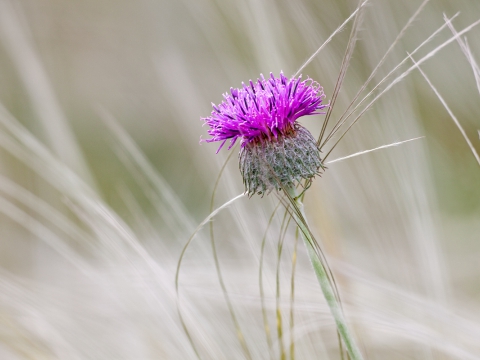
270, 165
275, 150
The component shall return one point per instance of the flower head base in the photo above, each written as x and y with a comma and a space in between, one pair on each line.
275, 150
279, 163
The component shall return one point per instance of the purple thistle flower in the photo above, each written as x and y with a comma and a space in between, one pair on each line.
275, 150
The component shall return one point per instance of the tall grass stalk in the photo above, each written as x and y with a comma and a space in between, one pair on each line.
323, 279
454, 118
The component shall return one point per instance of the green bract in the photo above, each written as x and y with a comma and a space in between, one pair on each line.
280, 162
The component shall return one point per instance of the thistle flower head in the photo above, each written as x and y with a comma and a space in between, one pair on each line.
275, 150
263, 110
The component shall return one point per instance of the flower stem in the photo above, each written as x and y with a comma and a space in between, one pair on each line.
324, 281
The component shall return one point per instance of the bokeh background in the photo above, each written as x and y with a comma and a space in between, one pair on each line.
103, 181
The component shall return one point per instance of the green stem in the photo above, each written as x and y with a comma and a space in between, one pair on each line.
324, 282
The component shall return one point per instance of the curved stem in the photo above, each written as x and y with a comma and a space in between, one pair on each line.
323, 280
292, 297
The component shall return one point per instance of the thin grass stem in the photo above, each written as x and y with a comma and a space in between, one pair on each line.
343, 71
278, 310
342, 119
179, 264
339, 29
375, 149
260, 283
467, 52
292, 296
239, 332
346, 117
324, 281
397, 80
450, 112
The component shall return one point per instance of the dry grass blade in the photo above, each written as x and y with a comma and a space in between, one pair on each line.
278, 310
292, 296
454, 118
161, 186
400, 78
466, 51
375, 149
473, 64
81, 198
332, 35
179, 264
344, 116
238, 330
55, 125
266, 324
42, 232
42, 208
343, 71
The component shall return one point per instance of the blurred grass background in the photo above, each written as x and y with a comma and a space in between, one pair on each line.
401, 226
